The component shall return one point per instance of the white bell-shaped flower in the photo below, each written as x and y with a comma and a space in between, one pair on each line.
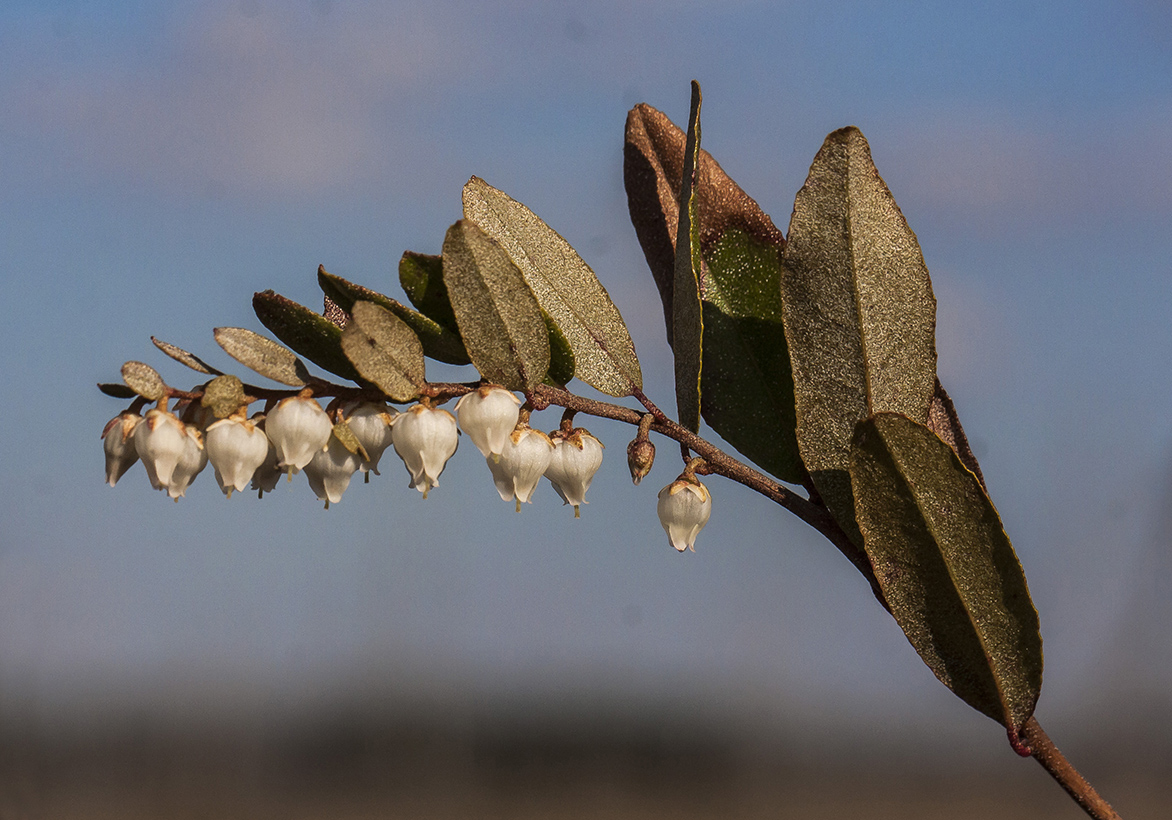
684, 507
371, 424
160, 440
488, 415
265, 479
425, 438
298, 428
576, 458
522, 462
118, 444
191, 464
236, 446
330, 470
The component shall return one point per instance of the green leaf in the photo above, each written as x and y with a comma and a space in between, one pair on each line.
223, 395
384, 350
561, 355
498, 315
687, 320
946, 567
144, 380
307, 332
190, 359
565, 287
118, 391
747, 390
746, 387
858, 310
422, 279
265, 356
438, 342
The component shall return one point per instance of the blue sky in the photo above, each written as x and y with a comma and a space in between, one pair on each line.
161, 162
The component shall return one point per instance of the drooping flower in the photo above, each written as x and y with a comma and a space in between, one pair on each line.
160, 440
236, 446
298, 428
576, 458
425, 438
191, 464
118, 444
684, 507
371, 424
488, 415
330, 470
522, 462
265, 479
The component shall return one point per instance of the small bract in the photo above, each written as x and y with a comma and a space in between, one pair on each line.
191, 464
298, 428
425, 438
488, 415
371, 424
118, 444
236, 447
160, 440
330, 471
523, 460
576, 458
684, 507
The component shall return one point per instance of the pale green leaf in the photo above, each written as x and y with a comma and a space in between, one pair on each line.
265, 356
384, 350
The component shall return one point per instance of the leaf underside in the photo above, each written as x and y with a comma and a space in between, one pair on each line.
265, 356
565, 288
384, 350
223, 395
190, 359
144, 380
946, 567
498, 316
858, 310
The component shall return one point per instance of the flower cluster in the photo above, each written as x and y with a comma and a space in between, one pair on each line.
331, 445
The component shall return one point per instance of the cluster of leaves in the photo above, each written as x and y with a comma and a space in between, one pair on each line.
812, 353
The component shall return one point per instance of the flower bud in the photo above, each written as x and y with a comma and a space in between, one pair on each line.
684, 507
425, 438
160, 440
118, 444
640, 457
523, 460
330, 470
371, 424
488, 415
236, 447
298, 428
576, 458
191, 464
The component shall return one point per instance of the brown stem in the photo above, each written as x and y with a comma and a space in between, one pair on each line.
1053, 761
721, 463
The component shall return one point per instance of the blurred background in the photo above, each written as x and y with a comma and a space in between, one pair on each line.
160, 162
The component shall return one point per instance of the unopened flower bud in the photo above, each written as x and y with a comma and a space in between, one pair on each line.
522, 463
330, 470
425, 438
236, 447
160, 440
118, 444
488, 415
371, 424
576, 458
640, 457
298, 428
684, 507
